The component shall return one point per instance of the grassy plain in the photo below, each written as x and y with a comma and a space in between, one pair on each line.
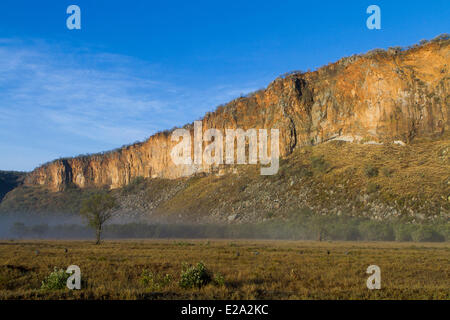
250, 269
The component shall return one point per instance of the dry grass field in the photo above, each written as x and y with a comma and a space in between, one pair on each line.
245, 269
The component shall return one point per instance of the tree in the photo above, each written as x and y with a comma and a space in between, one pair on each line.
97, 209
318, 225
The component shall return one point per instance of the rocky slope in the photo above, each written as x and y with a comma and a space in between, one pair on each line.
379, 97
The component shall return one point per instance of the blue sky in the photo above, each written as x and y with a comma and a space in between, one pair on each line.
137, 67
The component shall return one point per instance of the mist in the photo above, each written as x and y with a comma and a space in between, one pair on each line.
303, 226
7, 222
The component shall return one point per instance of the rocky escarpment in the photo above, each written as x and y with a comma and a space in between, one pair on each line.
382, 96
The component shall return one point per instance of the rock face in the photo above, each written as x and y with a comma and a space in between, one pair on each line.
382, 96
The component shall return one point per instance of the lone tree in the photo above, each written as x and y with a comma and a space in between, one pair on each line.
97, 209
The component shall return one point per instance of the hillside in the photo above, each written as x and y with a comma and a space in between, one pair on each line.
10, 180
365, 136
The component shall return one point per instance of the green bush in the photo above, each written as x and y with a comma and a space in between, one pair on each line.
370, 171
427, 234
444, 229
403, 232
194, 276
219, 280
56, 280
375, 231
387, 172
334, 228
155, 281
350, 233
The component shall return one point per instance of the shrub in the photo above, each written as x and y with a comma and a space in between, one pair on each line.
395, 49
444, 229
387, 172
136, 184
375, 52
56, 280
337, 228
305, 172
319, 163
219, 280
370, 171
403, 232
375, 231
194, 276
270, 215
351, 233
442, 37
427, 234
155, 281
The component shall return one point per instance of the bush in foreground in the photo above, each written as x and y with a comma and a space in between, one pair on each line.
155, 281
195, 276
56, 280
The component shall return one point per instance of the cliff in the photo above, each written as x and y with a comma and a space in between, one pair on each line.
381, 96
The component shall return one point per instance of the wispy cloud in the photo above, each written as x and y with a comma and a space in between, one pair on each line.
59, 88
73, 102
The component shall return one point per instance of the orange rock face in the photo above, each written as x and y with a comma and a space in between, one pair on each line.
381, 97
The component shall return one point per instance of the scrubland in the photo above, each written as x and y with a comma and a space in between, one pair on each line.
240, 269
